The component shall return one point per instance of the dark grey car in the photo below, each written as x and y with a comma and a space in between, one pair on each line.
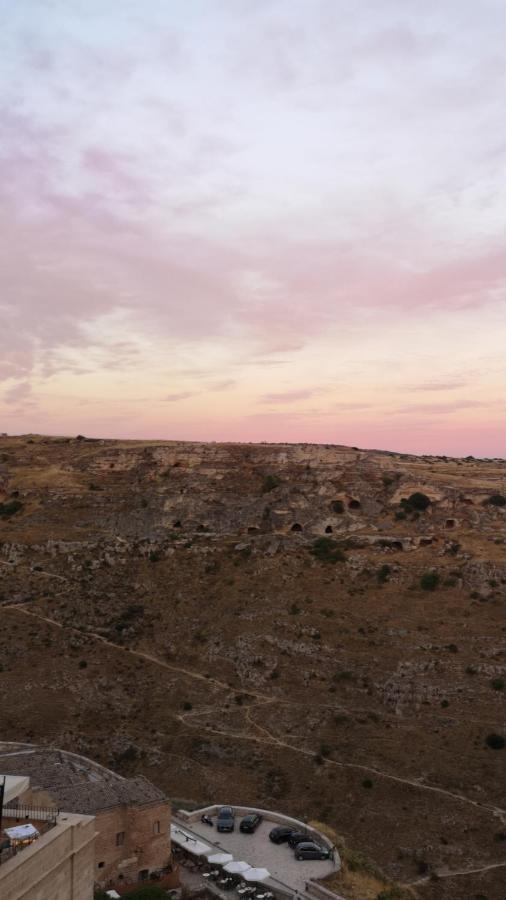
226, 819
310, 850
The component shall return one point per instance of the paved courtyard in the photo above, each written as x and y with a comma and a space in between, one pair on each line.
257, 850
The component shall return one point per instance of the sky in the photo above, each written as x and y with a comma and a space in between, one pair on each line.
255, 220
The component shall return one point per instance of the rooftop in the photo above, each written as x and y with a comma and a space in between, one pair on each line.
75, 783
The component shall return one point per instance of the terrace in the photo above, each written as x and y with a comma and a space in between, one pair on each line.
286, 876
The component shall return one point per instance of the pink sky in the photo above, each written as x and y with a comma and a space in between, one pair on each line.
276, 220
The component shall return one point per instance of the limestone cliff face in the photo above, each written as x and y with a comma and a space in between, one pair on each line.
136, 490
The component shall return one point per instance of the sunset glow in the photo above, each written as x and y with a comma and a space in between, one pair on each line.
279, 220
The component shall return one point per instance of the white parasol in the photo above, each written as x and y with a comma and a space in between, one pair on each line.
256, 874
236, 867
219, 859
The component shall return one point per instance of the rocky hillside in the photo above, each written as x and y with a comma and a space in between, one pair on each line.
318, 629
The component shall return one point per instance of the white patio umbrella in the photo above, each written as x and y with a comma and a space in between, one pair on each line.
236, 867
256, 874
218, 859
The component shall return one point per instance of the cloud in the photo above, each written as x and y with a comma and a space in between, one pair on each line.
184, 395
289, 396
427, 386
437, 409
19, 392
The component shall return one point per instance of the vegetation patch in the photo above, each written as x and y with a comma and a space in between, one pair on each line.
383, 574
10, 508
416, 502
429, 581
270, 483
327, 550
497, 500
495, 741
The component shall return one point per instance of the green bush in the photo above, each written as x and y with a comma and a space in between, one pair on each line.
327, 550
337, 506
417, 501
429, 581
10, 508
151, 892
495, 741
383, 574
367, 783
270, 482
497, 500
497, 684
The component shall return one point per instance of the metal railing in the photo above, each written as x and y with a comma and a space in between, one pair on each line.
37, 813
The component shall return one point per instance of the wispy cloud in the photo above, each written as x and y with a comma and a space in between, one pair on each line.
288, 396
183, 395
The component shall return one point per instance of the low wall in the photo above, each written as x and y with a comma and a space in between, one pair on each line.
321, 893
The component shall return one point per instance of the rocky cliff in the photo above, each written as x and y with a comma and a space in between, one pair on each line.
315, 628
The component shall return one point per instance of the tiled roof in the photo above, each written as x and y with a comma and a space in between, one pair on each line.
90, 797
75, 784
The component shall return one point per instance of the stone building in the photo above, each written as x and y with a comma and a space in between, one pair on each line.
58, 863
132, 819
132, 816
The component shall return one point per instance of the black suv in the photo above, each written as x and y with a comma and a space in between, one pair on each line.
250, 823
310, 850
225, 820
280, 834
298, 837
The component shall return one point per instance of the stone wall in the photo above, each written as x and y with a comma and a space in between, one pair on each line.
143, 847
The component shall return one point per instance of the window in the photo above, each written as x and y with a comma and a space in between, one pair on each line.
156, 827
120, 838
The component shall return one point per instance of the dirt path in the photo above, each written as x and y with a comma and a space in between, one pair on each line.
459, 872
265, 736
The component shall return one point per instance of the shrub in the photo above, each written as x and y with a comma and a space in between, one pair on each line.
294, 609
187, 706
151, 892
497, 500
383, 574
367, 783
416, 501
155, 556
497, 684
83, 664
10, 508
337, 506
429, 581
400, 515
327, 550
495, 741
270, 482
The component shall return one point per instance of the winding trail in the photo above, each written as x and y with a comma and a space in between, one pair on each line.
263, 736
459, 872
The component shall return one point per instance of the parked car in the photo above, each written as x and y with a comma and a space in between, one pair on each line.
280, 834
298, 837
250, 823
310, 850
225, 820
